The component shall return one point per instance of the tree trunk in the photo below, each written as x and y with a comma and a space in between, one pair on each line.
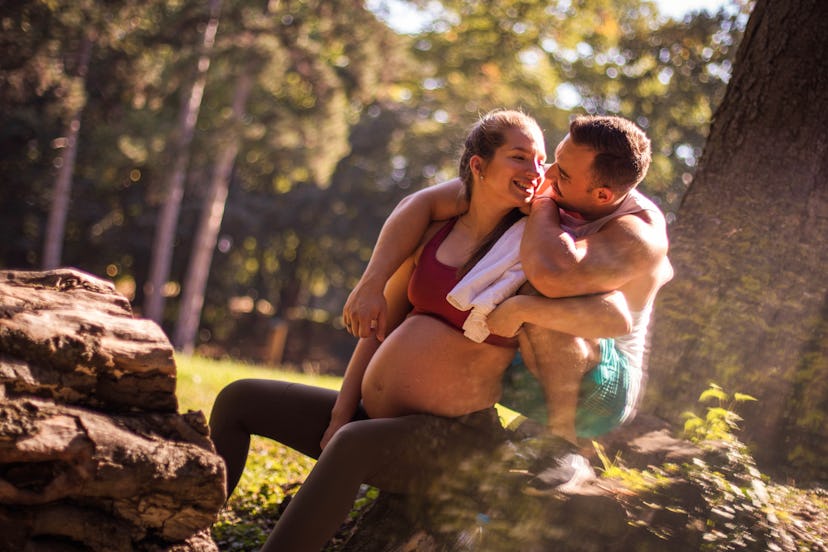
747, 309
192, 299
53, 243
163, 243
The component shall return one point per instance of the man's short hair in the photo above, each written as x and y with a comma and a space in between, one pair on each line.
622, 150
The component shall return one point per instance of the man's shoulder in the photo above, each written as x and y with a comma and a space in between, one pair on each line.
637, 203
644, 201
647, 229
638, 206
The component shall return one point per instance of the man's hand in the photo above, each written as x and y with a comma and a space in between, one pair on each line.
505, 319
365, 310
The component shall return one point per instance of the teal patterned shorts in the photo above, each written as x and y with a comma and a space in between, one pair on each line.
602, 398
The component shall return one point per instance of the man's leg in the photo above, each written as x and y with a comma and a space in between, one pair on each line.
559, 362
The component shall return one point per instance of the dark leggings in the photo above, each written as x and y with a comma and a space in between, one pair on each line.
402, 455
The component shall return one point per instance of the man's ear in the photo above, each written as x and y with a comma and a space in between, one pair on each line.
603, 195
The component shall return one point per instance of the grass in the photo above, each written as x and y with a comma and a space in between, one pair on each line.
272, 470
200, 379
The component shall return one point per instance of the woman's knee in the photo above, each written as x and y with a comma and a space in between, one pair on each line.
353, 444
230, 399
347, 438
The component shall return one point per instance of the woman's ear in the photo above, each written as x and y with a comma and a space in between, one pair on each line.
477, 165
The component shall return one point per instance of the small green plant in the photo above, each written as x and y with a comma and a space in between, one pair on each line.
721, 421
740, 514
636, 480
737, 513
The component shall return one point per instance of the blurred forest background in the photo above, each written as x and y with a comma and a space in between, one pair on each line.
228, 164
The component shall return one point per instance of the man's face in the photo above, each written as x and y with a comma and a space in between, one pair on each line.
570, 177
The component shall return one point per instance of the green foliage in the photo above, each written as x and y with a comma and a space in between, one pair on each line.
741, 513
721, 421
343, 121
639, 481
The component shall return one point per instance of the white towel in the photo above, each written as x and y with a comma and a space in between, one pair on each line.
495, 277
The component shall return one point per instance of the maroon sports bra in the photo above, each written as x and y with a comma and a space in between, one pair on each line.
432, 281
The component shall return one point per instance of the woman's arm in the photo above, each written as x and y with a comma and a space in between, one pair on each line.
350, 393
398, 239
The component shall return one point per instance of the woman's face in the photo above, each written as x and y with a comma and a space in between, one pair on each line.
516, 168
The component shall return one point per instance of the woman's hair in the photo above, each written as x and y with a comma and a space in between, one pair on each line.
483, 139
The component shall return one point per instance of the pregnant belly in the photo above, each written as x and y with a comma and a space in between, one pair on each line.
426, 366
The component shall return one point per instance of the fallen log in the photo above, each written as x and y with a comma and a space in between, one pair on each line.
93, 454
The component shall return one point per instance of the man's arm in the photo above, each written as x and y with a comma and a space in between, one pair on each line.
399, 237
559, 265
590, 316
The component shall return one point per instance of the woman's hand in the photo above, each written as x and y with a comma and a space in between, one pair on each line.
333, 427
365, 310
506, 319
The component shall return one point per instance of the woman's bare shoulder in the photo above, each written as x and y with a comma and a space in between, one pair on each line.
432, 229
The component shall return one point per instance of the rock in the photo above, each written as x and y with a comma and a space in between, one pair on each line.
93, 454
647, 441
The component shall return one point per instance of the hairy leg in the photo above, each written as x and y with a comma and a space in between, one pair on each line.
558, 361
293, 414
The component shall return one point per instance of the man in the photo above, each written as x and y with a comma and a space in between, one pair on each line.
588, 232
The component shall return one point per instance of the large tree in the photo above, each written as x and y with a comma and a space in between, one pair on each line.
162, 248
206, 237
747, 309
53, 244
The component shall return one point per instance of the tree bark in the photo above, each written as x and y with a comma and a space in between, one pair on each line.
192, 299
747, 309
164, 241
152, 471
56, 225
74, 340
92, 449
